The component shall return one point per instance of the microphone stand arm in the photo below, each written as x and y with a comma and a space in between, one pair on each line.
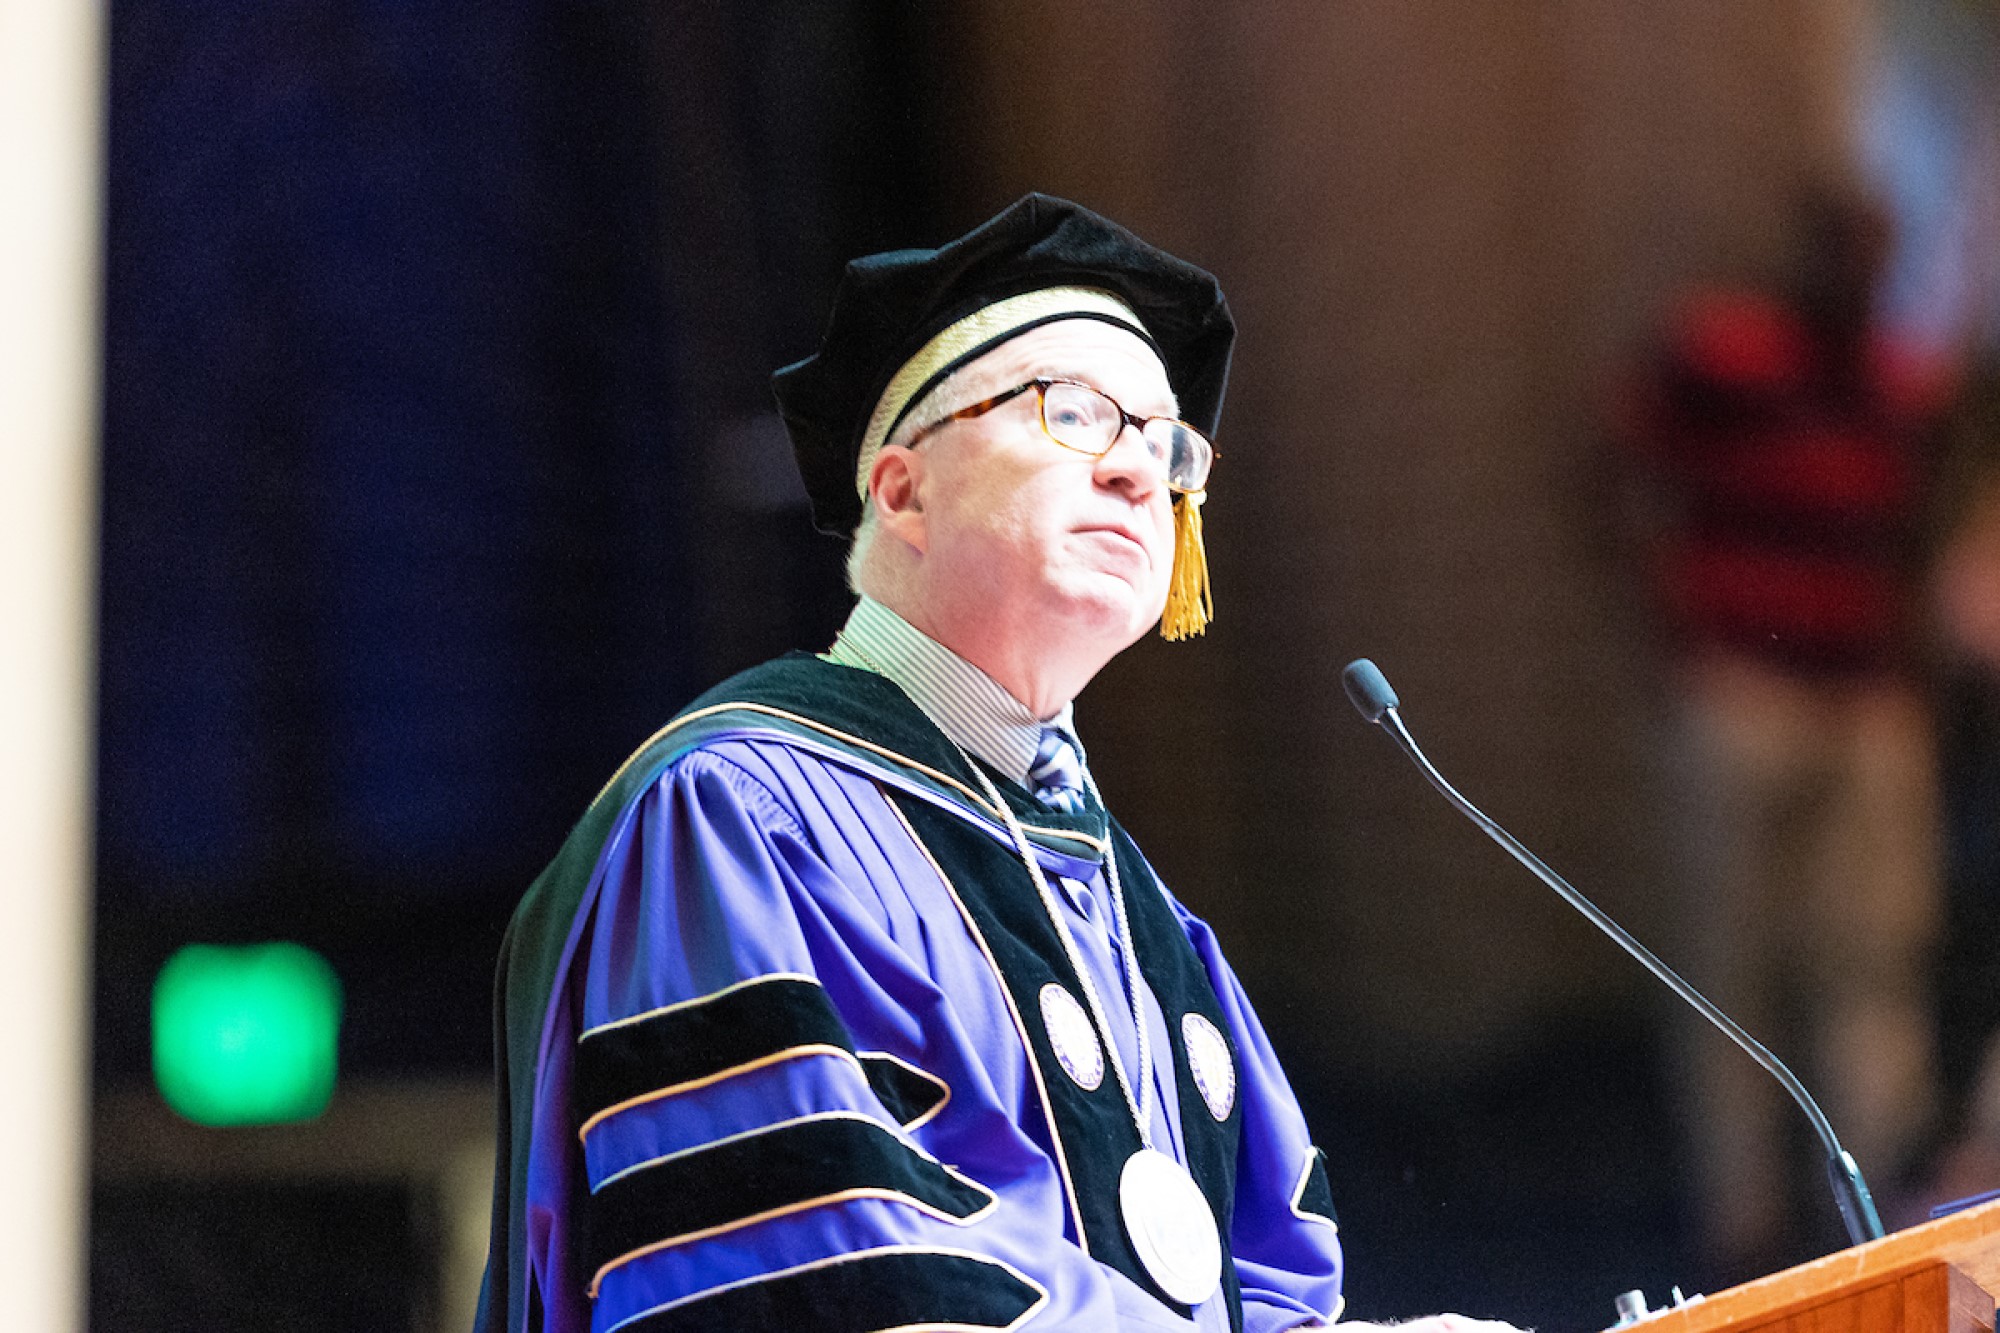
1850, 1191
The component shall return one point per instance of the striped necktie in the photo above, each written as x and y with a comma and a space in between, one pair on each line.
1056, 775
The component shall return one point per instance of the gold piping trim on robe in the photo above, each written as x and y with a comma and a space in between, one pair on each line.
1041, 1292
1299, 1193
761, 1062
924, 1074
803, 1205
1020, 1028
977, 799
677, 1005
695, 1084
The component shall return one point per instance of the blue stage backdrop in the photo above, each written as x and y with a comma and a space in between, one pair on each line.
422, 327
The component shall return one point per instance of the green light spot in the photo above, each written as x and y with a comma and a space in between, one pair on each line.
246, 1034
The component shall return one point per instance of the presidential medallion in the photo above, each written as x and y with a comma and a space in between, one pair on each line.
1171, 1227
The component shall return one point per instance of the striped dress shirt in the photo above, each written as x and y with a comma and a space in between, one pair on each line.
968, 705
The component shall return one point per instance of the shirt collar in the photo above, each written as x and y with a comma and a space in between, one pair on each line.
972, 708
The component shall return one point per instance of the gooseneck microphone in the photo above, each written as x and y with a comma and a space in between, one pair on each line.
1376, 702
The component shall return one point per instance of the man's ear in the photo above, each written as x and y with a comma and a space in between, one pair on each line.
895, 484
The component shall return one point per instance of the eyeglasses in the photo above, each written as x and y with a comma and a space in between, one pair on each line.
1079, 417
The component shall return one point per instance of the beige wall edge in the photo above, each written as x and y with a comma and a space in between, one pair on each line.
51, 115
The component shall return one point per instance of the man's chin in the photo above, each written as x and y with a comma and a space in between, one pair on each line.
1109, 606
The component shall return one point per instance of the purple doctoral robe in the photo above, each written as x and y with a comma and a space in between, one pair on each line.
767, 1061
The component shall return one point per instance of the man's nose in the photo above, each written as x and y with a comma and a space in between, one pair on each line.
1131, 464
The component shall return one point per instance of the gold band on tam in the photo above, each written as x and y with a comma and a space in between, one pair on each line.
983, 329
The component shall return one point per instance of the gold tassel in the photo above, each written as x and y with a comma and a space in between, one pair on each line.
1188, 606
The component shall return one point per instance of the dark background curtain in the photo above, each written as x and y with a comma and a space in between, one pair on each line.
439, 470
435, 346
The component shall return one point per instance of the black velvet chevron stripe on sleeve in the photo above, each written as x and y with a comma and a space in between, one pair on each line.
1315, 1193
796, 1164
906, 1093
697, 1040
862, 1293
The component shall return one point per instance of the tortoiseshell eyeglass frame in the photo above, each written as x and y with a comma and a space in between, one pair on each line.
1041, 387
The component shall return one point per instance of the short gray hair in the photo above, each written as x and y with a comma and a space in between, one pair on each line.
915, 418
857, 554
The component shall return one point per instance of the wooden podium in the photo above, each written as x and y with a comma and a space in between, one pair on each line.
1940, 1277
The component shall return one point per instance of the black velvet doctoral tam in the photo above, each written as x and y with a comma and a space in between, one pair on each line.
889, 305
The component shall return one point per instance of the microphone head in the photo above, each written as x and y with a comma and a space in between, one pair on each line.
1368, 689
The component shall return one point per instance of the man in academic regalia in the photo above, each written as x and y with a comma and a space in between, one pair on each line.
847, 1005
